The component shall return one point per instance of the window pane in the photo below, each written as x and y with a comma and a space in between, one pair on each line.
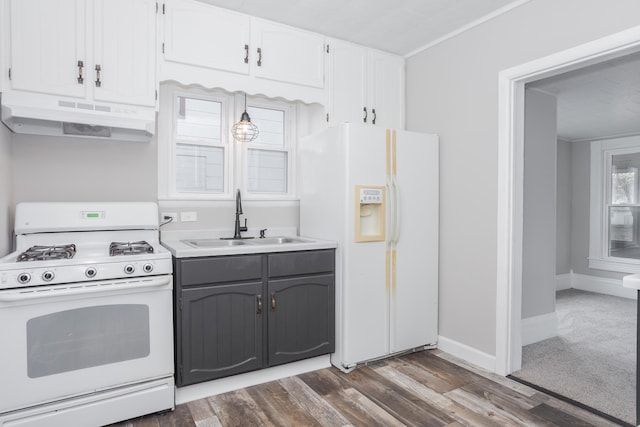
267, 171
623, 231
624, 178
199, 120
270, 126
199, 169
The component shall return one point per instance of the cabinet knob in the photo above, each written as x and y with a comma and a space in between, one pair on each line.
365, 114
259, 57
273, 302
373, 121
258, 304
98, 69
80, 78
246, 53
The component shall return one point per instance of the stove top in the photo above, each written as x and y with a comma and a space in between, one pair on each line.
79, 242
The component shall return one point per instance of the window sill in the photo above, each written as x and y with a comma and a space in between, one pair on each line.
621, 266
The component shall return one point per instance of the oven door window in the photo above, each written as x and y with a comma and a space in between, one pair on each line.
86, 337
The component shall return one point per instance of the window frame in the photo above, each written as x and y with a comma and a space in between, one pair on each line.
235, 173
602, 153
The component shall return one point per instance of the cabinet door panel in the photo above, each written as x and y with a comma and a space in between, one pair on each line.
301, 318
288, 55
348, 83
386, 88
206, 36
47, 41
221, 332
124, 48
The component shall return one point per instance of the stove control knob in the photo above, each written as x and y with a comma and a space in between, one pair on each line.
129, 269
48, 276
148, 268
91, 272
24, 278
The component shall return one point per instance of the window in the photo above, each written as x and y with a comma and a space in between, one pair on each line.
198, 158
614, 241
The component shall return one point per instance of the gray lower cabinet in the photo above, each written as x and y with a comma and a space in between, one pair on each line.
240, 313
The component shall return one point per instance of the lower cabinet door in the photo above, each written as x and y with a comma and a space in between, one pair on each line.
221, 332
301, 318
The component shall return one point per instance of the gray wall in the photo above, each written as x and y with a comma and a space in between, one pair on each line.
6, 191
452, 90
539, 225
563, 207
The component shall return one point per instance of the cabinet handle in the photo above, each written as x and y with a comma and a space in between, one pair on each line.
259, 304
259, 57
365, 114
373, 121
98, 69
80, 66
246, 53
273, 301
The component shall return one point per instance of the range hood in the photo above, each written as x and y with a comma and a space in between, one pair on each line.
39, 114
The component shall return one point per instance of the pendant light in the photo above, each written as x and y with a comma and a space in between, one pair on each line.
244, 130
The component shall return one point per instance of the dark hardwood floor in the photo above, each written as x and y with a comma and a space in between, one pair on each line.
427, 388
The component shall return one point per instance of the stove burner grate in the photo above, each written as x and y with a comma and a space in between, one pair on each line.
130, 248
44, 253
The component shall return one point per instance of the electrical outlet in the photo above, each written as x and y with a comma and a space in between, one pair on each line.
188, 216
164, 216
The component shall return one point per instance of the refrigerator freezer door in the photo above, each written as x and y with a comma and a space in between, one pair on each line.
414, 295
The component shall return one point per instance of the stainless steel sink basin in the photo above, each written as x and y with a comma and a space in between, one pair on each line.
278, 240
214, 243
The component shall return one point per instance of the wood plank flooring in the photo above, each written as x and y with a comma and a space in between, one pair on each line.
427, 388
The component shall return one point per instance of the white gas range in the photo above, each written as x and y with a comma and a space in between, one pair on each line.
86, 309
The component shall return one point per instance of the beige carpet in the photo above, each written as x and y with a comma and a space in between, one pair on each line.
593, 358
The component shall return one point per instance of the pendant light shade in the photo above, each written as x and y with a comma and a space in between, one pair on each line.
244, 130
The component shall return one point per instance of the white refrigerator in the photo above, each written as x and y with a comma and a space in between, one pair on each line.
375, 192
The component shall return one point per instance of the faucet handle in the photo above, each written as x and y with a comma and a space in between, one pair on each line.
262, 233
244, 228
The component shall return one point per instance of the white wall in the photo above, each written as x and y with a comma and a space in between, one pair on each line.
563, 207
452, 89
6, 192
539, 225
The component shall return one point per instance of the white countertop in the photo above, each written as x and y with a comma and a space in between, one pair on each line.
175, 242
631, 281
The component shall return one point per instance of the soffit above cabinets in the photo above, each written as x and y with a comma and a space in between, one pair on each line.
597, 101
399, 27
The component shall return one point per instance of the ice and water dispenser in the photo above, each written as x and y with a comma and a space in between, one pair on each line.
369, 214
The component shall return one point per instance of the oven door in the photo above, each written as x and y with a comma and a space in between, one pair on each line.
68, 340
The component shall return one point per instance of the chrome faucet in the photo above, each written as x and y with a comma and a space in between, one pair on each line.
239, 229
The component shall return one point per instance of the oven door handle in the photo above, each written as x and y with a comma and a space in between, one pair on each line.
88, 288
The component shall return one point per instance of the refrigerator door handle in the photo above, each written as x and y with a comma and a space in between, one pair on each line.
392, 211
396, 207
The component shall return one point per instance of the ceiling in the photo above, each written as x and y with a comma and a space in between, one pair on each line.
598, 101
396, 26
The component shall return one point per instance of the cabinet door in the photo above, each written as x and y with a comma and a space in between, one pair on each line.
301, 318
386, 90
220, 332
124, 50
206, 36
47, 42
348, 83
287, 54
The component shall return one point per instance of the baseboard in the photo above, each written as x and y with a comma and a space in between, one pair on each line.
602, 285
236, 382
469, 354
539, 328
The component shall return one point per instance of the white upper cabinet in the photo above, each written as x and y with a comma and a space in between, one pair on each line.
215, 47
198, 34
100, 49
48, 47
124, 66
287, 54
366, 86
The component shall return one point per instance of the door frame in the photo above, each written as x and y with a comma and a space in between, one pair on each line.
510, 178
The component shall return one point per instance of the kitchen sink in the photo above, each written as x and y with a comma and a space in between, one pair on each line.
223, 243
279, 240
214, 243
